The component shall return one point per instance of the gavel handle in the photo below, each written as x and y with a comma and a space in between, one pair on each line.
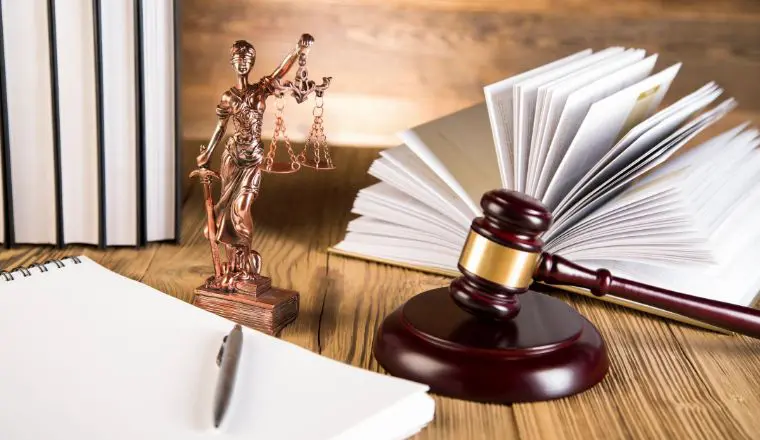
553, 269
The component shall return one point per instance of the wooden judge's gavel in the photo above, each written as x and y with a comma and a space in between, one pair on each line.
503, 256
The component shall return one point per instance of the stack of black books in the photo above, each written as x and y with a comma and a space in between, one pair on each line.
90, 135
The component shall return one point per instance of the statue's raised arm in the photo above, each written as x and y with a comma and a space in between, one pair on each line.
302, 86
304, 44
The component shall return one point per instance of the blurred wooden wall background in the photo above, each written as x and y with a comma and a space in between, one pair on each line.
398, 63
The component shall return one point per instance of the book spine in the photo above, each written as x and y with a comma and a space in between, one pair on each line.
97, 31
56, 121
140, 108
10, 238
178, 196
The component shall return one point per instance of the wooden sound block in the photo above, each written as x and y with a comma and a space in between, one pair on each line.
269, 310
547, 351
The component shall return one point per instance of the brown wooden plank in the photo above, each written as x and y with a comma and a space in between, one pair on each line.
395, 66
729, 364
689, 9
653, 389
130, 262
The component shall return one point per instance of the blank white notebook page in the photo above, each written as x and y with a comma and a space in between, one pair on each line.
89, 354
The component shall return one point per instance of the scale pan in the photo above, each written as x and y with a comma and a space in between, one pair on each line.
281, 168
322, 165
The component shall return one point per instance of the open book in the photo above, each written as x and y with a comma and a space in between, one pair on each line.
587, 135
89, 354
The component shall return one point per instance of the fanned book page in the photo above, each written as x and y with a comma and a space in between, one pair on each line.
588, 135
90, 354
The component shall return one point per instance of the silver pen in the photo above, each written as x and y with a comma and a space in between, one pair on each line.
227, 360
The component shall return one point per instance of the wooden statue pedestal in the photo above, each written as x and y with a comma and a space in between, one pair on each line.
547, 351
258, 306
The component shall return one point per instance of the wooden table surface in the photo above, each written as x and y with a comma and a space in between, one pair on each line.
666, 380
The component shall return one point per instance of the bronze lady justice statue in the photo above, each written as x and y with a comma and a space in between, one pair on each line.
237, 290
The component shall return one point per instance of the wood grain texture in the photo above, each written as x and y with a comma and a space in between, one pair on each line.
667, 380
684, 9
400, 63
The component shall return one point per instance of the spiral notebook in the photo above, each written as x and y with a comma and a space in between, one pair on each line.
89, 354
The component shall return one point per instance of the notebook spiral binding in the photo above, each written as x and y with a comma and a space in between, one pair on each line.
25, 270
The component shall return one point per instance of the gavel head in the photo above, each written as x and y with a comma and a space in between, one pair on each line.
500, 254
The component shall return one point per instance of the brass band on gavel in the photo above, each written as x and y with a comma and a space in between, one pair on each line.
497, 263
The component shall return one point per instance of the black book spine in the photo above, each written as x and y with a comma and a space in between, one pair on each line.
139, 105
56, 110
10, 237
97, 32
179, 178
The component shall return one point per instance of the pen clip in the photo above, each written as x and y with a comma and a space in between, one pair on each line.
221, 352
